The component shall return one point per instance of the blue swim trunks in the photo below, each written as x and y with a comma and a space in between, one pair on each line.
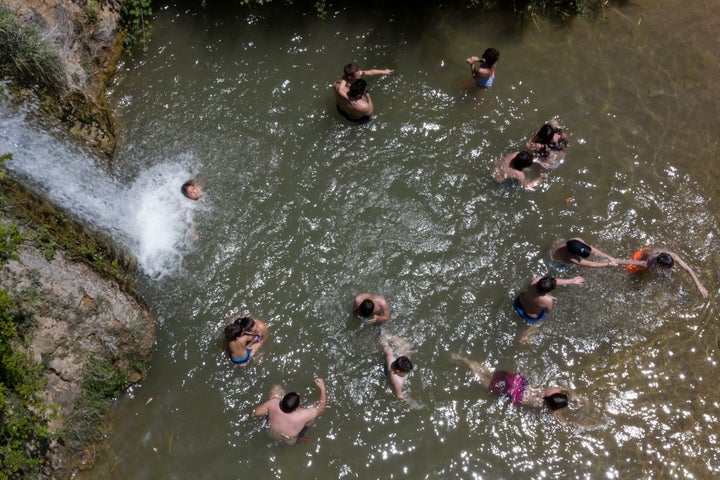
485, 82
524, 316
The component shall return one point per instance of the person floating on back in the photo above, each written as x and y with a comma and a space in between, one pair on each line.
513, 168
483, 68
661, 260
517, 389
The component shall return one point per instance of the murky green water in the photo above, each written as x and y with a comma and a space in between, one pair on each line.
303, 210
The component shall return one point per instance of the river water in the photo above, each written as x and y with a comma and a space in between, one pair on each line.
301, 210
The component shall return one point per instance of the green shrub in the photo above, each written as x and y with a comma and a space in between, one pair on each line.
24, 437
102, 383
26, 56
136, 16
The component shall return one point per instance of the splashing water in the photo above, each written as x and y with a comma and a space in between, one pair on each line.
148, 214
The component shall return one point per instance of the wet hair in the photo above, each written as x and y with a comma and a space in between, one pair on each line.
545, 134
556, 401
665, 260
350, 69
546, 284
358, 89
187, 185
490, 56
246, 323
290, 402
578, 248
233, 331
366, 308
402, 364
521, 160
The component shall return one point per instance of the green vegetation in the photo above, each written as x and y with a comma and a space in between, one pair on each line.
563, 9
102, 383
24, 437
136, 19
26, 56
523, 9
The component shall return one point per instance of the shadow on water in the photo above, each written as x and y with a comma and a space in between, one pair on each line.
302, 210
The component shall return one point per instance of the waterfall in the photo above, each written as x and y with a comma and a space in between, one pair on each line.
147, 213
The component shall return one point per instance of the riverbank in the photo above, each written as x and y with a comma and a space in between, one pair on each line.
70, 50
81, 319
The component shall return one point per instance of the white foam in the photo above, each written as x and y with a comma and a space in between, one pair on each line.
148, 215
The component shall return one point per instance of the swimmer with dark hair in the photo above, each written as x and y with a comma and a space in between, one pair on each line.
371, 308
243, 338
577, 252
482, 68
662, 260
518, 390
353, 100
512, 168
548, 144
397, 364
536, 303
288, 422
191, 189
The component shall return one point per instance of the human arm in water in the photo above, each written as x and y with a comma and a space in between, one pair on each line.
578, 280
375, 71
701, 290
341, 88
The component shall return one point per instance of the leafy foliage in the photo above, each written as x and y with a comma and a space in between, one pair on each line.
102, 383
26, 56
523, 9
24, 437
136, 18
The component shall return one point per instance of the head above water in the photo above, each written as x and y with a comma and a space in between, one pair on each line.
246, 323
351, 70
490, 56
290, 402
556, 401
358, 89
576, 247
521, 161
664, 260
546, 285
191, 189
402, 364
233, 331
546, 134
366, 308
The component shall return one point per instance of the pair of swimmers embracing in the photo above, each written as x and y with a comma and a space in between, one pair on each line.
243, 338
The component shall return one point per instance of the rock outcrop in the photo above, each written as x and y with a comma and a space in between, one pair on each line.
79, 310
89, 39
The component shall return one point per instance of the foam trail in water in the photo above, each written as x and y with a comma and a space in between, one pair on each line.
148, 215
